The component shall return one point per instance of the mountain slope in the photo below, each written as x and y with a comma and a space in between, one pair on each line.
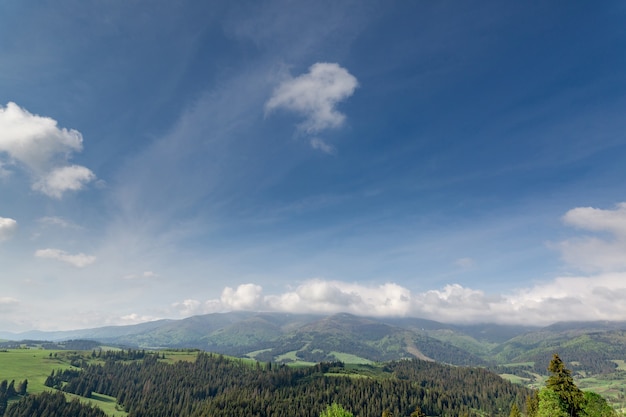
591, 348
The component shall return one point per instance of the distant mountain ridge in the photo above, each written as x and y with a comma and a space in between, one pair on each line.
283, 337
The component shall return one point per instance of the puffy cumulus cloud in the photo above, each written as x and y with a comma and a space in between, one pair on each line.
7, 228
589, 218
596, 253
191, 307
34, 140
245, 297
595, 297
315, 96
455, 303
188, 307
60, 180
38, 144
562, 299
321, 296
79, 260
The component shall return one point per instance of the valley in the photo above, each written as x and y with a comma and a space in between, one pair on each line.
595, 352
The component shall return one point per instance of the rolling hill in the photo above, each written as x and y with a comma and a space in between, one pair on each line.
591, 348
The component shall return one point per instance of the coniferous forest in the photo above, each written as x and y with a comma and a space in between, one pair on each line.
146, 385
213, 385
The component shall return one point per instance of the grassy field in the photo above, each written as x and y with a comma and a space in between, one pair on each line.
32, 364
36, 364
347, 358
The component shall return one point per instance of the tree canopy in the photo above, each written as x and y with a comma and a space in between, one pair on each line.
335, 410
562, 398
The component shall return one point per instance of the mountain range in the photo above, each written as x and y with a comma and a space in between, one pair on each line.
281, 337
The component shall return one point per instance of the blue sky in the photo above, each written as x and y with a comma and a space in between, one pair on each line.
463, 162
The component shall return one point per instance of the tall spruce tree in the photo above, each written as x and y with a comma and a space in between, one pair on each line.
562, 383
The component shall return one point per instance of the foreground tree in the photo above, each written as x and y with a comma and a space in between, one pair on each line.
562, 398
596, 406
562, 383
550, 404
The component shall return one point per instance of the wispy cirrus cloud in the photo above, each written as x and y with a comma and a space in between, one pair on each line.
39, 145
79, 260
7, 228
317, 143
58, 222
315, 96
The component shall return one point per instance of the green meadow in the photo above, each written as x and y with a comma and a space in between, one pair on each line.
32, 364
36, 365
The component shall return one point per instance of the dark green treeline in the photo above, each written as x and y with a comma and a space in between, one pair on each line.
48, 404
216, 386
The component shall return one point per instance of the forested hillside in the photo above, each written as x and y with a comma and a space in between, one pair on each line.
213, 385
49, 404
591, 348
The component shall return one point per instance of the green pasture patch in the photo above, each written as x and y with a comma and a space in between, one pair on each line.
349, 358
176, 356
104, 402
519, 364
256, 352
36, 365
32, 364
288, 356
516, 379
621, 364
107, 404
292, 359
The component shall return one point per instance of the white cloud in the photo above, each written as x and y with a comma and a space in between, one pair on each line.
594, 296
7, 228
134, 318
562, 299
79, 260
317, 143
189, 307
589, 218
37, 143
245, 297
60, 180
34, 140
591, 253
315, 95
